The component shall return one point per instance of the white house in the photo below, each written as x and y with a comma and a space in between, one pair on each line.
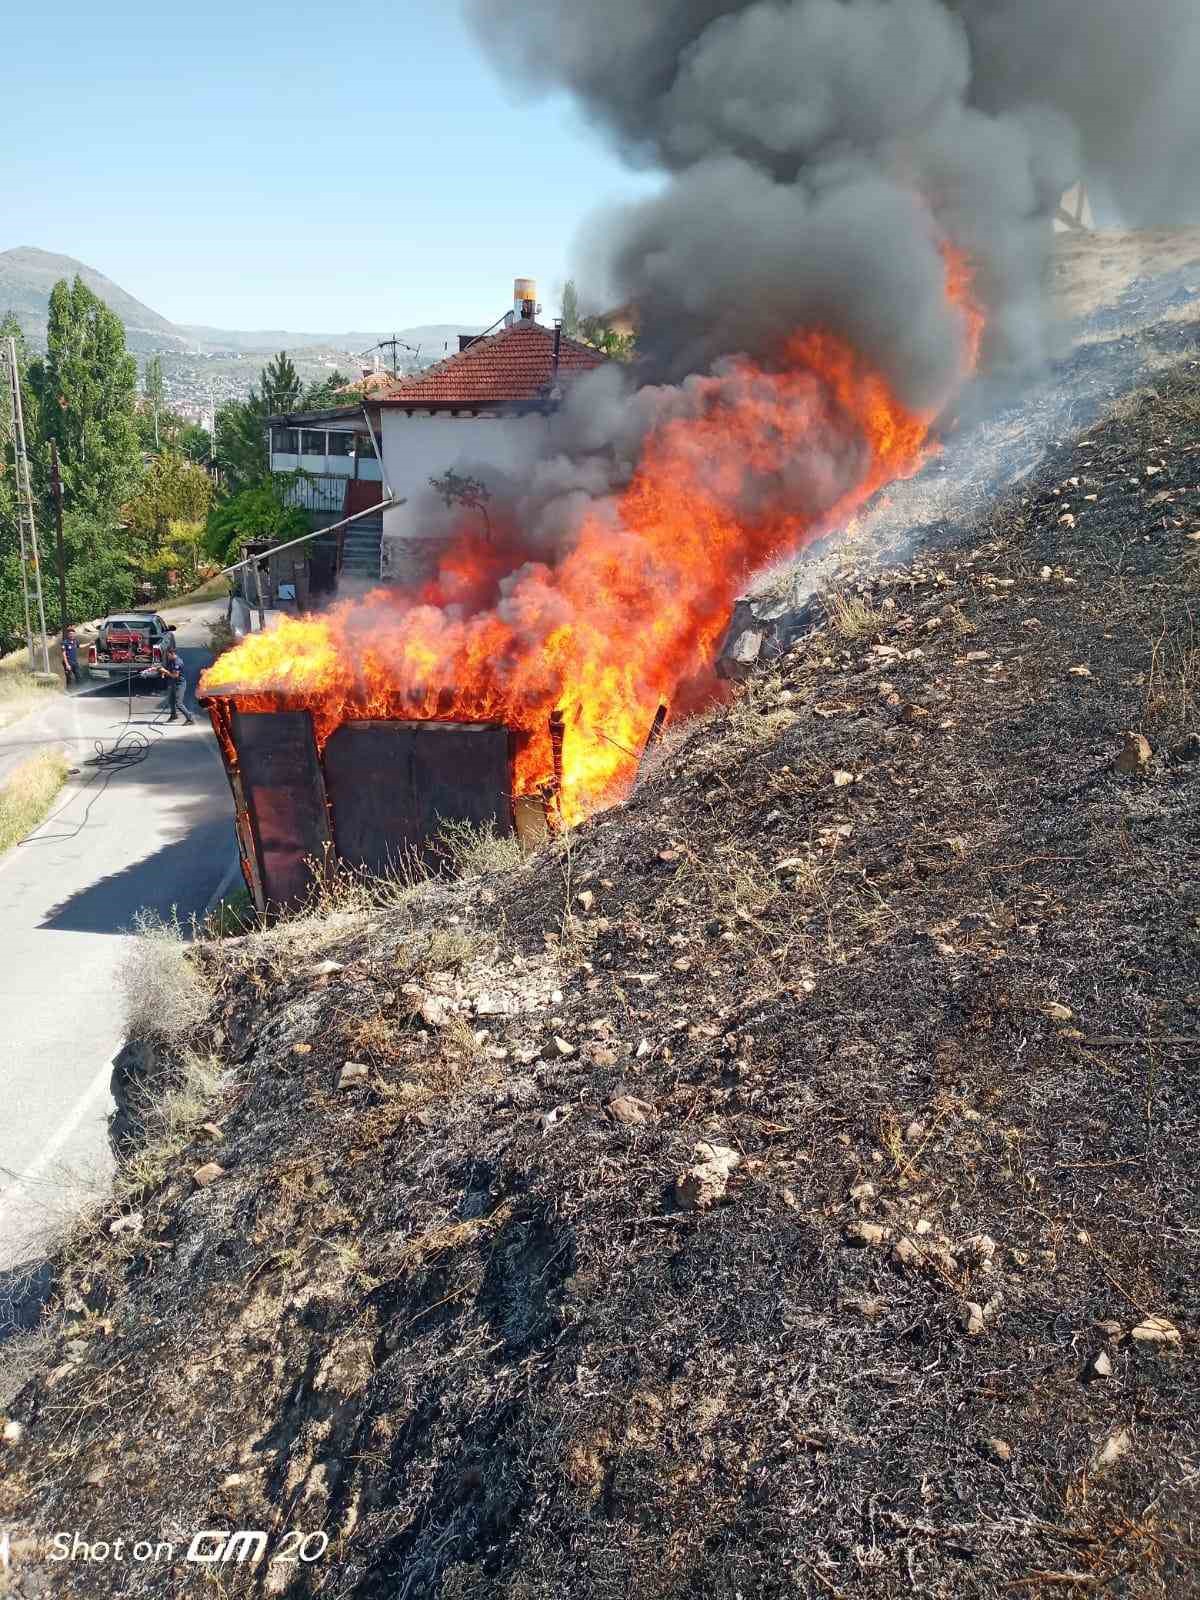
488, 405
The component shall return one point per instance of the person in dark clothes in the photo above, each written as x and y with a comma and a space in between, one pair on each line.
171, 668
70, 658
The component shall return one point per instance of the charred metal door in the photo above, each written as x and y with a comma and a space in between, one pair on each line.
285, 799
392, 785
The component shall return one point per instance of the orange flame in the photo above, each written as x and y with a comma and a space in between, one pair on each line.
633, 614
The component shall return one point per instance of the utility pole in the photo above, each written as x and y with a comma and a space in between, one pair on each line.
26, 524
56, 485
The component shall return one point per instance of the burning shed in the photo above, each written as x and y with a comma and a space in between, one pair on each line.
374, 796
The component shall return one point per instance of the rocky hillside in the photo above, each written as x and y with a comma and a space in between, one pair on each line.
783, 1186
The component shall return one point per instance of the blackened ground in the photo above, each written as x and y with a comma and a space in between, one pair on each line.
893, 929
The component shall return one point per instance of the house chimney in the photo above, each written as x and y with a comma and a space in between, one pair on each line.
525, 306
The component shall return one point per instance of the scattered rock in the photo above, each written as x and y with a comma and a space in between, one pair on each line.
740, 657
862, 1194
302, 1049
915, 1131
1156, 1331
13, 1433
551, 1119
999, 1450
913, 713
1114, 1447
842, 779
908, 1252
494, 1005
977, 1251
209, 1173
435, 1011
1136, 755
1099, 1367
627, 1108
352, 1074
1187, 749
703, 1185
586, 899
560, 1047
866, 1235
325, 970
970, 1314
1057, 1012
644, 1049
130, 1224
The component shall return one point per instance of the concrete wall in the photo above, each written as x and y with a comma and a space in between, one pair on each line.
421, 447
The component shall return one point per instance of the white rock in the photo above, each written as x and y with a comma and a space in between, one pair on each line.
13, 1433
352, 1074
1156, 1331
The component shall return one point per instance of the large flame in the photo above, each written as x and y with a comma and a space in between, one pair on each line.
631, 616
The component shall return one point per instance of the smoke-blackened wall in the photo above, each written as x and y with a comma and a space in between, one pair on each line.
821, 149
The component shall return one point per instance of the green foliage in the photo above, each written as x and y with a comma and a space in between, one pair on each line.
617, 346
152, 388
173, 489
195, 443
257, 512
86, 387
242, 449
183, 553
570, 310
324, 396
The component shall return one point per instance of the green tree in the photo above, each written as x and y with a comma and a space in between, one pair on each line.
87, 386
195, 443
325, 396
152, 389
617, 346
570, 310
173, 490
256, 512
242, 450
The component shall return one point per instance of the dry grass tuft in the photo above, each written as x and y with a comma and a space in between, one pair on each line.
851, 616
20, 690
28, 795
166, 996
473, 851
1173, 677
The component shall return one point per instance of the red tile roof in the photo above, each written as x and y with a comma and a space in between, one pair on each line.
515, 364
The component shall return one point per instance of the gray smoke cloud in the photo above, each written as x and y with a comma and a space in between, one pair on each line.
819, 150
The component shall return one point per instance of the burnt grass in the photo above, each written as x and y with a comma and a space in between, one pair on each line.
893, 928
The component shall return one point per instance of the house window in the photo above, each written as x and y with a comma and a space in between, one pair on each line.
285, 441
312, 443
341, 444
363, 448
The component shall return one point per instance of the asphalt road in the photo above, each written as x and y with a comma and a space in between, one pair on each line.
157, 835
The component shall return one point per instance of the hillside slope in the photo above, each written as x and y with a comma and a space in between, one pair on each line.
27, 276
783, 1186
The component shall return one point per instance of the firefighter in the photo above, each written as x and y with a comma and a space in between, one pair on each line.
171, 668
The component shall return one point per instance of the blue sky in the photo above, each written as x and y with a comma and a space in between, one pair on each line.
305, 166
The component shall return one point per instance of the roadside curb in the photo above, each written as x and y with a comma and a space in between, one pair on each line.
222, 889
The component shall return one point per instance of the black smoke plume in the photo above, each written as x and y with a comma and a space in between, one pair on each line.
818, 152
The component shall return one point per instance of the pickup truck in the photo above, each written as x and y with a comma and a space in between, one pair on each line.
128, 644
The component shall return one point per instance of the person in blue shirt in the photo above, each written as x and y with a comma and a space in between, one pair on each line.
171, 668
70, 658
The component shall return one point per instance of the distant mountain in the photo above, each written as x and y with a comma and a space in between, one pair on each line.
428, 338
27, 276
203, 366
